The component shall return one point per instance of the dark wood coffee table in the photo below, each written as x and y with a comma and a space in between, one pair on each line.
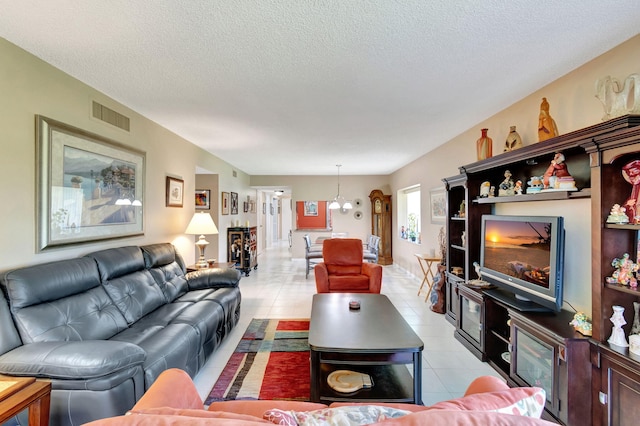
375, 340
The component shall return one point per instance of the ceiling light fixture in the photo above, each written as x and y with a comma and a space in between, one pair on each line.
339, 202
279, 192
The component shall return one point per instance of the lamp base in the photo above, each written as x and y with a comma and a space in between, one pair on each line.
202, 244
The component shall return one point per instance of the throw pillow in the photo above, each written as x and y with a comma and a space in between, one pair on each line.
355, 415
528, 402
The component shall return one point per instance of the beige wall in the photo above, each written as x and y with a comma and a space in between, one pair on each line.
573, 106
30, 86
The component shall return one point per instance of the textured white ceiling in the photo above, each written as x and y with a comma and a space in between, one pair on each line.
298, 86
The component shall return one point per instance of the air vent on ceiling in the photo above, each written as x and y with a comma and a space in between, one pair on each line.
108, 115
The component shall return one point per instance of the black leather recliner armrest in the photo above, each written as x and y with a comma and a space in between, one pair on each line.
71, 360
213, 278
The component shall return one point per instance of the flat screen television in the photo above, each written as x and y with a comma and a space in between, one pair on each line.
524, 257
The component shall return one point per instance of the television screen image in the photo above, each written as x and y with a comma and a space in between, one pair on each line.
524, 257
519, 249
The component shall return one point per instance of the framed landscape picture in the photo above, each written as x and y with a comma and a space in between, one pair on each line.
203, 199
89, 188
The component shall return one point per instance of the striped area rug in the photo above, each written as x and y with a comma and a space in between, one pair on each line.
270, 362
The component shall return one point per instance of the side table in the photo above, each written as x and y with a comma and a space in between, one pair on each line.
19, 393
426, 263
191, 268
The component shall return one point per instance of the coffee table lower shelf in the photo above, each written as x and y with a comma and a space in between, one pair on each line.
391, 383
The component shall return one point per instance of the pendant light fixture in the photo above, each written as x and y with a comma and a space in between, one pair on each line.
339, 202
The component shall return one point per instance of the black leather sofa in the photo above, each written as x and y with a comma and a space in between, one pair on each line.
103, 327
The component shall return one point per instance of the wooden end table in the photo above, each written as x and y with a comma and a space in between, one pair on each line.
19, 393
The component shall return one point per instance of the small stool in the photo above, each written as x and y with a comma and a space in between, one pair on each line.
426, 263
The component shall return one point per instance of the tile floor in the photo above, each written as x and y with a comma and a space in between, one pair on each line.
278, 289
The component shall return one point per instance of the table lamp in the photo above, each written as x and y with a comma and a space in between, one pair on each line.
201, 224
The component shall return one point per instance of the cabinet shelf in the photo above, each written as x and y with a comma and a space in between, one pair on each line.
542, 196
457, 247
628, 226
623, 289
462, 219
500, 336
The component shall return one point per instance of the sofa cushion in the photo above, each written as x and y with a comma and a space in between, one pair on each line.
257, 408
195, 413
348, 282
160, 260
346, 415
71, 360
527, 401
62, 301
9, 337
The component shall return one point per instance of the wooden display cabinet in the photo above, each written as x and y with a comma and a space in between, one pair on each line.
381, 224
242, 247
595, 156
616, 376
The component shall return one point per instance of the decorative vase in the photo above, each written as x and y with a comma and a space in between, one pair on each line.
484, 146
635, 328
617, 334
514, 141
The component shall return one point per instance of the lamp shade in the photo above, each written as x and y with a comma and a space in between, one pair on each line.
201, 224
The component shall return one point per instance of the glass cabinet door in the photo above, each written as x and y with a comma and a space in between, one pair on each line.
534, 362
470, 321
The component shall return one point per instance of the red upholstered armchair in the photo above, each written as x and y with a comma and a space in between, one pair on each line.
344, 271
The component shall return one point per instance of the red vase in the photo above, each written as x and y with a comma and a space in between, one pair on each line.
484, 146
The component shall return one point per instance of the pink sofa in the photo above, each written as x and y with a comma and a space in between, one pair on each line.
174, 400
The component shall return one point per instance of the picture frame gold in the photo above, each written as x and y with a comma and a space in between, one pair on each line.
89, 188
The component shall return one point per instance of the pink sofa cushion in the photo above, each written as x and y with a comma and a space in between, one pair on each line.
347, 415
527, 402
257, 408
187, 412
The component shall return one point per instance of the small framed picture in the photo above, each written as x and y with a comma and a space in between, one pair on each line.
175, 192
245, 206
225, 203
234, 203
203, 199
311, 208
438, 205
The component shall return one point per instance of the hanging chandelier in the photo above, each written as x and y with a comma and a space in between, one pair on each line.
339, 202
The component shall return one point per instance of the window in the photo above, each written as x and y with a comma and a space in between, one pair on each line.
409, 214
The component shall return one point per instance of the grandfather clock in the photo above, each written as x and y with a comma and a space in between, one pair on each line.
381, 224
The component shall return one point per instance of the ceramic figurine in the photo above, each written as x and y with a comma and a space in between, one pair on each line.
514, 141
492, 191
617, 215
635, 328
535, 185
581, 324
617, 334
507, 187
547, 128
619, 99
631, 173
484, 146
625, 268
484, 189
557, 175
518, 188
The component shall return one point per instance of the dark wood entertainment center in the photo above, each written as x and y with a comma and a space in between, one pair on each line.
587, 380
